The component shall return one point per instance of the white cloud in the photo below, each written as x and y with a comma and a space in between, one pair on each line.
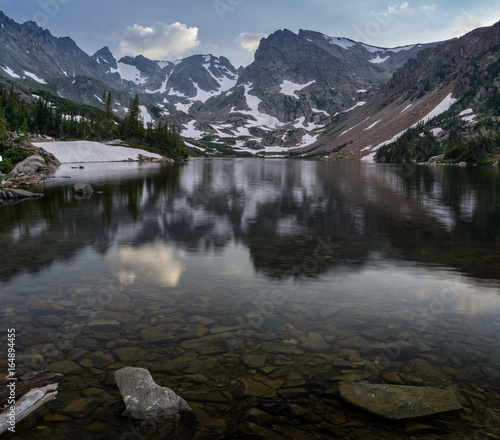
467, 22
397, 9
159, 41
249, 41
428, 9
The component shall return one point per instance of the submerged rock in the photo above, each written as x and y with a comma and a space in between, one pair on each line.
143, 398
395, 402
83, 189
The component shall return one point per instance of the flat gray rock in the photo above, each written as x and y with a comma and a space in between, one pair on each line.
396, 402
143, 398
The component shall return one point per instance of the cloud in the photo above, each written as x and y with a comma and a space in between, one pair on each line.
249, 41
428, 9
467, 23
398, 8
159, 41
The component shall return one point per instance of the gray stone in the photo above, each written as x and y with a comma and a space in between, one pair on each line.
315, 343
198, 319
50, 320
66, 367
329, 312
82, 408
101, 359
395, 402
254, 360
11, 195
119, 302
435, 159
154, 335
83, 189
342, 363
143, 398
290, 393
103, 325
204, 396
259, 417
32, 164
39, 336
129, 355
31, 361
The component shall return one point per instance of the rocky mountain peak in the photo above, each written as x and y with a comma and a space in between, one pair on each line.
104, 56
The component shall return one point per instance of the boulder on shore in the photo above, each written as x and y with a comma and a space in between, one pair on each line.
143, 398
398, 402
32, 164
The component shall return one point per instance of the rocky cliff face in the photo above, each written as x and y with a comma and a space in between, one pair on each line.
464, 69
310, 75
34, 54
442, 65
297, 84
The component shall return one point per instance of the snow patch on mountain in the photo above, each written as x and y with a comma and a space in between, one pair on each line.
399, 49
146, 117
129, 73
191, 132
290, 88
34, 77
443, 106
379, 59
358, 104
260, 119
342, 42
10, 72
373, 125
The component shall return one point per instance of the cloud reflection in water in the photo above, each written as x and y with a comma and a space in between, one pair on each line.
155, 261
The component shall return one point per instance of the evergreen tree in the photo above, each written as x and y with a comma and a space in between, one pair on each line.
108, 126
3, 126
132, 123
24, 131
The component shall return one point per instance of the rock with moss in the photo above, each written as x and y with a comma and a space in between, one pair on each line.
32, 164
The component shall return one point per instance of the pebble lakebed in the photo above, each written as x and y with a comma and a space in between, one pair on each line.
277, 378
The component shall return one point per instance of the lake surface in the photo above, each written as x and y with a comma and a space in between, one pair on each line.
248, 284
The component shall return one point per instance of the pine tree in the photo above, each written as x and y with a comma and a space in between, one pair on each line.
108, 126
24, 131
3, 126
132, 123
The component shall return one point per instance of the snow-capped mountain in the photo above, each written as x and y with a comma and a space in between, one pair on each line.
297, 84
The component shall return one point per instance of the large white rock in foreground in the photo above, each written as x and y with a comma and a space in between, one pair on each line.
143, 398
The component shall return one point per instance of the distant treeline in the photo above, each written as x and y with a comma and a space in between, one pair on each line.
59, 118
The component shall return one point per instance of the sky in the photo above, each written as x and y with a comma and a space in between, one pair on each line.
170, 30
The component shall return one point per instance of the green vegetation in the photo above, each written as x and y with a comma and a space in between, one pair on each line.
471, 150
50, 115
415, 145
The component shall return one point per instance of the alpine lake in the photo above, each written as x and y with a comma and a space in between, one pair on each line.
252, 288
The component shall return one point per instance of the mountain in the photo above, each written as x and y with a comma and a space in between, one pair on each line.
306, 90
34, 57
297, 84
462, 76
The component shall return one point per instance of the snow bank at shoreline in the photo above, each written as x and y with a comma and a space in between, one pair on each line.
86, 151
